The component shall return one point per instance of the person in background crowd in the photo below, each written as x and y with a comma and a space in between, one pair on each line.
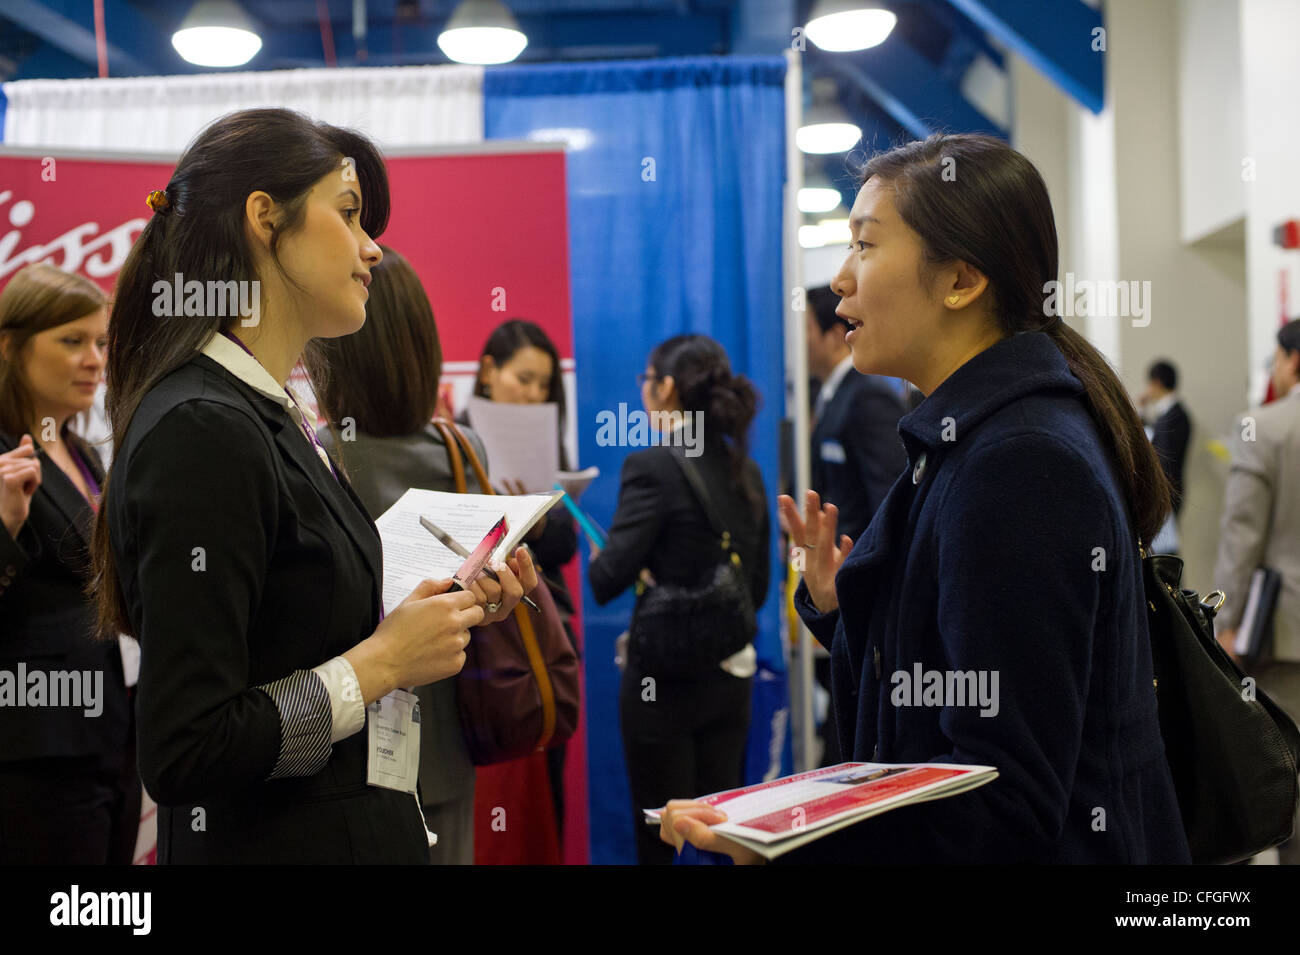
856, 451
520, 365
384, 378
228, 541
1170, 429
691, 737
1261, 528
1025, 456
69, 791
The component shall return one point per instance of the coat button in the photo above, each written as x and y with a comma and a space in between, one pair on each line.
919, 470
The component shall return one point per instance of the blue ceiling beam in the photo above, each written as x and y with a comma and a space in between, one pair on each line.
69, 25
908, 87
762, 26
574, 36
1057, 41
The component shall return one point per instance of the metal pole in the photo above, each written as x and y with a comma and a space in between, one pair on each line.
796, 351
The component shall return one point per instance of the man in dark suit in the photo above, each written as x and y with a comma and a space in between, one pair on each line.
1169, 423
856, 451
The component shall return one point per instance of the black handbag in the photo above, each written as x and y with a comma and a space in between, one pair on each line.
678, 630
1232, 751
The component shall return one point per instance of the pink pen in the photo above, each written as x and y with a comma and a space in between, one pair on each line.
474, 564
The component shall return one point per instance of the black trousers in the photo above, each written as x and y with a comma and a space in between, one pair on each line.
68, 810
681, 739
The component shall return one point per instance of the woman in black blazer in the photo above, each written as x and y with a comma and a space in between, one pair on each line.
1007, 552
69, 793
689, 735
230, 544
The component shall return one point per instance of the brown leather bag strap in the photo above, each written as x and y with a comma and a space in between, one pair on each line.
538, 664
469, 452
453, 452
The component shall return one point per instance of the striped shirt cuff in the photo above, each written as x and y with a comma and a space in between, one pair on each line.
348, 712
305, 722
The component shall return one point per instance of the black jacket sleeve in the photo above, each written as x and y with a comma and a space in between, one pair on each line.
638, 520
559, 540
193, 530
13, 558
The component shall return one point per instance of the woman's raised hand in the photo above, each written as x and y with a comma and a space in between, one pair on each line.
814, 546
20, 476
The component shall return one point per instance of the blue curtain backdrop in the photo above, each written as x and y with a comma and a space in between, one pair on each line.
675, 175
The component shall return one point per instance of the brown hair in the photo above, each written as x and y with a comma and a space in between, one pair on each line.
995, 215
385, 376
202, 237
39, 297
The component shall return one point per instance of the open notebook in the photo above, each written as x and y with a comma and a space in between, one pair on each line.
411, 553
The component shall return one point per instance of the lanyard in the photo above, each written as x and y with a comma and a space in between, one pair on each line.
306, 429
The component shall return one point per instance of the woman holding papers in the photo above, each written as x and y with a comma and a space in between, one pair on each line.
389, 445
272, 726
1005, 557
686, 733
520, 365
69, 792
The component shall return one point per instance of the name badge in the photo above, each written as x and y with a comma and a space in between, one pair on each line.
393, 724
833, 451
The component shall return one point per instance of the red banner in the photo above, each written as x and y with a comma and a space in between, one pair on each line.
487, 234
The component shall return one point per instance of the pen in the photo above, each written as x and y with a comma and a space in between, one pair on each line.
455, 547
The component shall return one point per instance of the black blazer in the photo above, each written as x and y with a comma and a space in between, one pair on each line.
659, 524
47, 624
856, 450
241, 560
1170, 436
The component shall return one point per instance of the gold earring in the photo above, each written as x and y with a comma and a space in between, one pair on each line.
954, 299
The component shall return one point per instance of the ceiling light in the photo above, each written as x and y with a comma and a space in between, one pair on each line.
482, 32
839, 26
217, 33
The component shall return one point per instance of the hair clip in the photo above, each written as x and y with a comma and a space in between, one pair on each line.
158, 202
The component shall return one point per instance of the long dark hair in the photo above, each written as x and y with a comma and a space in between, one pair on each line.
701, 373
507, 339
201, 236
995, 214
385, 376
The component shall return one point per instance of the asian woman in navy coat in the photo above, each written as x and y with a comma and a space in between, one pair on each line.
230, 543
1007, 548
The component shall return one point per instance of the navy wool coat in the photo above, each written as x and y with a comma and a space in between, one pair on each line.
1006, 549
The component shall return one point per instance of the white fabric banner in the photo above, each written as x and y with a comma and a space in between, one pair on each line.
396, 106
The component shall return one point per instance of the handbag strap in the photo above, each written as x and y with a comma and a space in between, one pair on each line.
538, 664
456, 444
702, 494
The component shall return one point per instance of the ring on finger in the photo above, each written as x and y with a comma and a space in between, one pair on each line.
493, 607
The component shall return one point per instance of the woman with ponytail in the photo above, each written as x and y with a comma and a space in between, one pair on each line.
230, 543
1007, 552
689, 734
